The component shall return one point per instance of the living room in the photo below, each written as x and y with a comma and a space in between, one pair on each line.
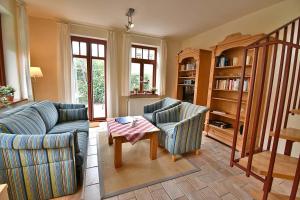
207, 89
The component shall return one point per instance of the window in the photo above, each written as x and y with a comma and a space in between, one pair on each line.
143, 68
2, 68
89, 62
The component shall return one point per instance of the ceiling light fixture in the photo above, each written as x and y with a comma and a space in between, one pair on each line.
130, 24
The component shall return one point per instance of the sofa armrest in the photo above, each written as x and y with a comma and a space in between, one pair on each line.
36, 158
72, 114
68, 105
169, 115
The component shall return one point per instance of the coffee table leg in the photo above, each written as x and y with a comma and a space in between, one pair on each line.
153, 146
110, 140
118, 153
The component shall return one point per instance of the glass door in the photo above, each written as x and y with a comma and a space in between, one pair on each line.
89, 65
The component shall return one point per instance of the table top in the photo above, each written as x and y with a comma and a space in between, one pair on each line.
2, 187
132, 134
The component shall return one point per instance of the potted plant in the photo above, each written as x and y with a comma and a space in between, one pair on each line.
153, 90
8, 92
135, 90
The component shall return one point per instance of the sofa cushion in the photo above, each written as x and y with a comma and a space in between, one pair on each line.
72, 114
25, 122
48, 113
80, 125
148, 116
82, 144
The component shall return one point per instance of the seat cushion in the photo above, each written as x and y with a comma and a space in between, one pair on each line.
25, 122
48, 113
148, 116
167, 128
80, 125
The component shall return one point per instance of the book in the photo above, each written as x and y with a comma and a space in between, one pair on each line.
124, 120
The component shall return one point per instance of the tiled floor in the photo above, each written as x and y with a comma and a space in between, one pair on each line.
215, 181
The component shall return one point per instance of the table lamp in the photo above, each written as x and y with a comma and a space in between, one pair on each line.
35, 72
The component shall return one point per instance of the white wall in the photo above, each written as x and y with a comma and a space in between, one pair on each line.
10, 46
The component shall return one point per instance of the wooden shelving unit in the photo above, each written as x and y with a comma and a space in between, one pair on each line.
193, 67
224, 84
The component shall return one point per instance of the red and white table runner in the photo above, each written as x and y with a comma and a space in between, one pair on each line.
132, 134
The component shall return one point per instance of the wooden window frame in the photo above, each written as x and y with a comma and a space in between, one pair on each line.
89, 59
2, 66
142, 61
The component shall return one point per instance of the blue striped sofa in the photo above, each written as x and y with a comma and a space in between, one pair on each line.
181, 128
41, 156
151, 110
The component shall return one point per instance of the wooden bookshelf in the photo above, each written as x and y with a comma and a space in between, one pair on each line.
226, 69
193, 67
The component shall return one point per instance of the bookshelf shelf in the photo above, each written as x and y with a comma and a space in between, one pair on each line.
227, 99
230, 116
228, 77
190, 70
187, 77
221, 90
231, 67
191, 85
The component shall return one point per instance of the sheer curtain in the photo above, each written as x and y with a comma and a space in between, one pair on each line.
112, 76
23, 53
126, 62
162, 68
64, 63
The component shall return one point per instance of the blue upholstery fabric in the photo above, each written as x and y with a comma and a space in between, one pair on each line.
151, 110
48, 113
80, 125
25, 122
181, 127
68, 106
36, 164
72, 114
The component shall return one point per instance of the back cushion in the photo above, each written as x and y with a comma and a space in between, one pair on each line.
25, 122
169, 101
188, 110
48, 113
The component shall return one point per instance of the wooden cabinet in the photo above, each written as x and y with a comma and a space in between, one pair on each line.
224, 81
193, 67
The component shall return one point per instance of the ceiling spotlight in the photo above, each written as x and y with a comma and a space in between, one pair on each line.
130, 24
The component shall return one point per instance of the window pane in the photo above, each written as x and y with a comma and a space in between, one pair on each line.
83, 48
75, 47
81, 81
151, 55
98, 78
94, 50
148, 77
135, 76
139, 53
132, 52
145, 53
101, 50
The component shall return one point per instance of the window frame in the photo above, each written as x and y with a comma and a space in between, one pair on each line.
2, 64
89, 59
142, 62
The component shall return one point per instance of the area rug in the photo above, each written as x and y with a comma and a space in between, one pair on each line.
137, 169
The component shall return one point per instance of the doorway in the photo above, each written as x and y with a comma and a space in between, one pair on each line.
89, 75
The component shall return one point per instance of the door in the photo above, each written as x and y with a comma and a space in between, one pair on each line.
89, 75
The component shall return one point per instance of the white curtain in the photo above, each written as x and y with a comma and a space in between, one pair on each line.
126, 62
112, 76
162, 68
65, 63
23, 53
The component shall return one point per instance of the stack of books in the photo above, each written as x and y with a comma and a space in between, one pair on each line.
230, 84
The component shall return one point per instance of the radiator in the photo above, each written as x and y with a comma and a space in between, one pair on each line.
136, 105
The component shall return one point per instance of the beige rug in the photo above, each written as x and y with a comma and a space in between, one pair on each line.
137, 170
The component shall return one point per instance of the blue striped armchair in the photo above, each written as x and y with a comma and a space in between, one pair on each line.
181, 128
151, 110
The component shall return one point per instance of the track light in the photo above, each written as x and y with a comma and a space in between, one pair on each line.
130, 24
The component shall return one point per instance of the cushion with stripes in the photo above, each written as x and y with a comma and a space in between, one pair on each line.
72, 114
48, 113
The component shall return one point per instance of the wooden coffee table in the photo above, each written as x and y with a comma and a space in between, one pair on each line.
119, 134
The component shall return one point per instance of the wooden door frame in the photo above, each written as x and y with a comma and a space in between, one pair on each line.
2, 67
89, 59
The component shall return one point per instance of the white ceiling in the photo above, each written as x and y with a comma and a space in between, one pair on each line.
172, 18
